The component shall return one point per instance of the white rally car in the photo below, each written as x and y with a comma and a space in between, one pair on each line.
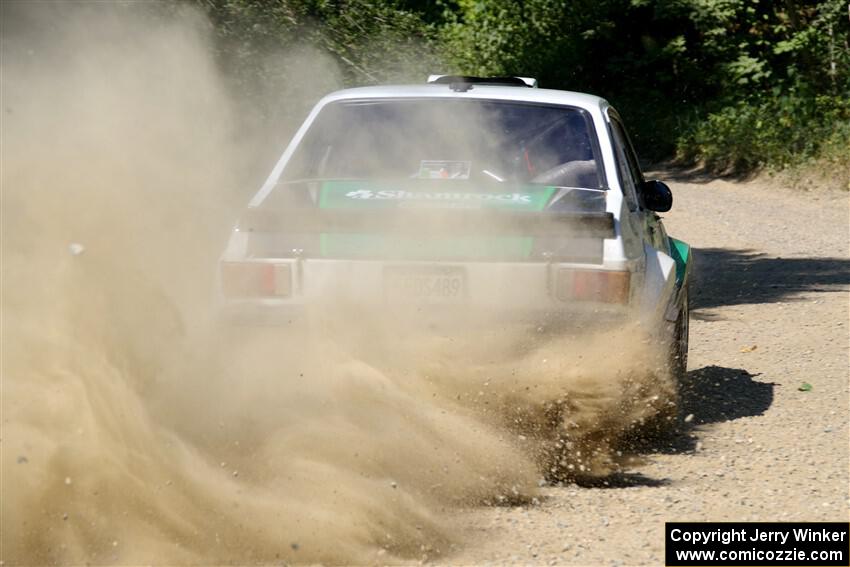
464, 195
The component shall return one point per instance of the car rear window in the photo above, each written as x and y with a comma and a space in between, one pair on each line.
474, 140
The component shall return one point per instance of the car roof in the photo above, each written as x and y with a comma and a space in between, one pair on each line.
476, 91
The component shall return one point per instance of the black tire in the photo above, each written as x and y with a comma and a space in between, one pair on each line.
668, 417
666, 421
679, 346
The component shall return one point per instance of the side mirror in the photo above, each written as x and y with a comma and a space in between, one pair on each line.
656, 196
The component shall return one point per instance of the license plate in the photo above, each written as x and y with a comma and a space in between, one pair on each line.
425, 285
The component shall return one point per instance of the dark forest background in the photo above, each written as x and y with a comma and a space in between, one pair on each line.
732, 85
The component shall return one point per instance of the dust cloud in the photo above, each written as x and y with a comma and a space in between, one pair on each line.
137, 430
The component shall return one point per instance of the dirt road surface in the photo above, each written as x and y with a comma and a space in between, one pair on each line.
770, 314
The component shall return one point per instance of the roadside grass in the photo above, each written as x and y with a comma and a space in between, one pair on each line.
803, 141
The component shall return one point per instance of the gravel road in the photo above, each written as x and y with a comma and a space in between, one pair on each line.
770, 314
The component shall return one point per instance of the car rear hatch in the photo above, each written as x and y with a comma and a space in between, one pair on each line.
433, 241
429, 221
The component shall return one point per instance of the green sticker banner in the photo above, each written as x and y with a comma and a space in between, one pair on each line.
447, 194
440, 195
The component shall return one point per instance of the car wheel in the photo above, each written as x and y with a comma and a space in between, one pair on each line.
665, 421
679, 346
678, 365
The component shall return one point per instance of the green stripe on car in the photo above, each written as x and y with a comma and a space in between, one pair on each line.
681, 252
371, 195
366, 194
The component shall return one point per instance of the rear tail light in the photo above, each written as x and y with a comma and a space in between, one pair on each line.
593, 285
256, 279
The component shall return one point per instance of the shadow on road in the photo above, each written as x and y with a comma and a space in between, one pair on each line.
696, 175
711, 394
622, 480
734, 277
714, 394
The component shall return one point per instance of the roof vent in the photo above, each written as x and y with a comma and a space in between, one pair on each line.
463, 83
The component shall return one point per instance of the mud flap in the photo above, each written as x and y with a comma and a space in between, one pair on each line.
681, 252
659, 290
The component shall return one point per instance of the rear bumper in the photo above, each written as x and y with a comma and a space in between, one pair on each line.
420, 316
492, 294
521, 286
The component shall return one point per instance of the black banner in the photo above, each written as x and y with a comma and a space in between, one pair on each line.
763, 544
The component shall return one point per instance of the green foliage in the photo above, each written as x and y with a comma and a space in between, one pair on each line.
372, 42
282, 55
736, 84
777, 131
783, 100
